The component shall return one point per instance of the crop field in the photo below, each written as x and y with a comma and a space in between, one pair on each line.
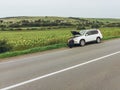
28, 39
109, 33
22, 40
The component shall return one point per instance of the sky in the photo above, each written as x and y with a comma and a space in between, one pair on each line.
62, 8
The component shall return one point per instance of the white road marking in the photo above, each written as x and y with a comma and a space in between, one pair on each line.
60, 71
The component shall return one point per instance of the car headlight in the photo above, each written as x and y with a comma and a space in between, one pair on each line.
75, 39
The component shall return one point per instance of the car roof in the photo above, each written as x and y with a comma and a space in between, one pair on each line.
89, 30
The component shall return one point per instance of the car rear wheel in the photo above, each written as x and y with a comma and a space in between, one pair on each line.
82, 43
98, 40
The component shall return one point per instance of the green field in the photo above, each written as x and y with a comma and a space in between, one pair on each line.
25, 42
22, 40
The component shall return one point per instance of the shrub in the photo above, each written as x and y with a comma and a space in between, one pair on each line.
95, 25
80, 27
4, 46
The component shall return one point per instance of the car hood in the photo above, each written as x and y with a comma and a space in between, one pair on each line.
75, 33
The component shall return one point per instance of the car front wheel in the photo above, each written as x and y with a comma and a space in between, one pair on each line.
82, 43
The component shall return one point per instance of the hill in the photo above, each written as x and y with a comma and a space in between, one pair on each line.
47, 22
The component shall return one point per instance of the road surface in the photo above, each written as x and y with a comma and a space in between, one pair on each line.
93, 67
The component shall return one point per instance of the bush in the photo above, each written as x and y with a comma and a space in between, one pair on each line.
4, 46
95, 25
80, 27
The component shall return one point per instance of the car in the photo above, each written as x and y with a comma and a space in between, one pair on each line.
85, 36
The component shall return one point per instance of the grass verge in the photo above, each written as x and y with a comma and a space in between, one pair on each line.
32, 50
113, 37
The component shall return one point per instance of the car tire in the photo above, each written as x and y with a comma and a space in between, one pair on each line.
82, 42
98, 40
71, 44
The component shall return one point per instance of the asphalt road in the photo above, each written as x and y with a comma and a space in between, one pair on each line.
93, 67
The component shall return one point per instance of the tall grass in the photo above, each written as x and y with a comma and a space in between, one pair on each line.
22, 40
109, 33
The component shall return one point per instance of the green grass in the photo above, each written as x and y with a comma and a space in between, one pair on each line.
32, 50
22, 40
25, 42
109, 33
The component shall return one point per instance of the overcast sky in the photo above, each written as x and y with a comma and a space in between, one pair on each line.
66, 8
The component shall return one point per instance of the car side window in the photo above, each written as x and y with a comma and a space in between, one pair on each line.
89, 33
94, 32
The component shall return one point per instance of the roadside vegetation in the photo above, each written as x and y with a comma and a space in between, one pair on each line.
4, 46
29, 39
23, 35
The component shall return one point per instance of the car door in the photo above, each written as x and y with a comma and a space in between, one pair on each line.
91, 35
94, 35
88, 36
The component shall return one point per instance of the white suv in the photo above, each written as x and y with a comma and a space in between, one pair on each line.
85, 36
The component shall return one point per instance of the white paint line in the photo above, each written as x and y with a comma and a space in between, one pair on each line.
60, 71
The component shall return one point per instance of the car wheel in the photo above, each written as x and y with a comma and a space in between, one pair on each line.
82, 43
70, 43
98, 40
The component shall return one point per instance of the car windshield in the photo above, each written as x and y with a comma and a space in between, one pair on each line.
82, 32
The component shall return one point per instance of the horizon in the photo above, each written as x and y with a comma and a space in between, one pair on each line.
61, 17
